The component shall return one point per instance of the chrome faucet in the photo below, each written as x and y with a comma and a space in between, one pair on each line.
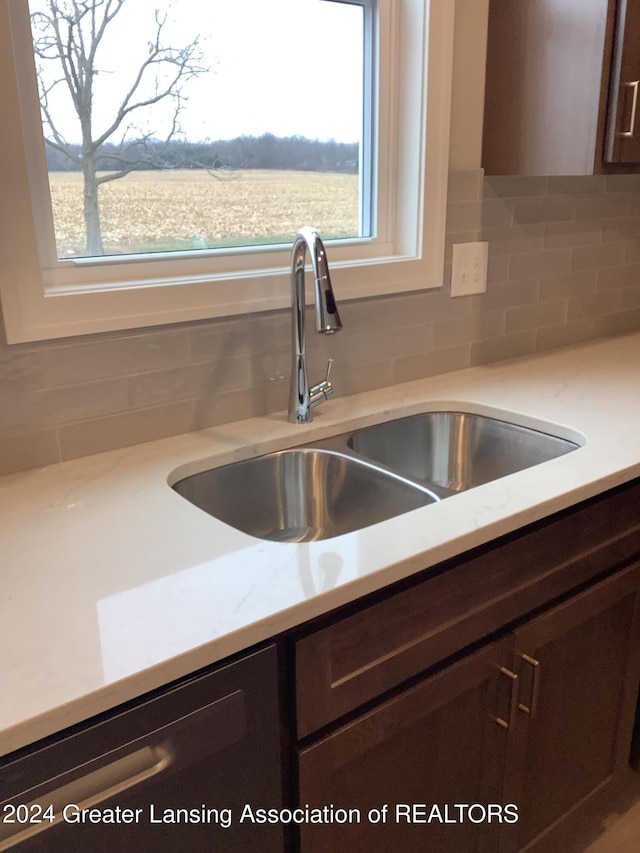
302, 398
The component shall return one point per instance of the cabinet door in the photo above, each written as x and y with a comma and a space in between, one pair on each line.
439, 743
543, 85
623, 130
578, 668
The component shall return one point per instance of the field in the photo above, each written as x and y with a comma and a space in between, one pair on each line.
163, 211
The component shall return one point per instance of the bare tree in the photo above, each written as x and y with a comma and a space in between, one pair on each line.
68, 35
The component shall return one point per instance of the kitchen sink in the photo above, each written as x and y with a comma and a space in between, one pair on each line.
456, 451
301, 495
359, 478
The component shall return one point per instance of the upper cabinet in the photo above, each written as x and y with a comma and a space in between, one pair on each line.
562, 87
623, 122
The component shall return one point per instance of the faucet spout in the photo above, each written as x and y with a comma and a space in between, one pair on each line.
302, 398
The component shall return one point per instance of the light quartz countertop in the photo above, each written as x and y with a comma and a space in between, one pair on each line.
111, 584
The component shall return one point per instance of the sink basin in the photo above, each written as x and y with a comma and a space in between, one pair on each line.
353, 480
301, 495
456, 450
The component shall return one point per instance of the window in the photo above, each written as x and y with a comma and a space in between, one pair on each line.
178, 128
197, 205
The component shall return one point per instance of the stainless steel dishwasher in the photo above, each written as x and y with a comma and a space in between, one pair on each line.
184, 769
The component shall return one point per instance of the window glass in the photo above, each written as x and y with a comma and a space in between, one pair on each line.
180, 125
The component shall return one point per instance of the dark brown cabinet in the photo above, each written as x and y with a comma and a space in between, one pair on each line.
562, 82
541, 719
623, 126
578, 684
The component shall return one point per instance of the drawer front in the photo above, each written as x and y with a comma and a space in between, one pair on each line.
360, 657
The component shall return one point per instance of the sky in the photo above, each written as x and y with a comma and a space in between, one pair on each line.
285, 67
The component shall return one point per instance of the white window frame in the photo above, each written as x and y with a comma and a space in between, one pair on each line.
42, 299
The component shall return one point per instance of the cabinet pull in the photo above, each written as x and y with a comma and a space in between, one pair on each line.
513, 696
634, 104
535, 686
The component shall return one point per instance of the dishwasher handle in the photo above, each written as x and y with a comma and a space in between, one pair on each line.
175, 745
87, 791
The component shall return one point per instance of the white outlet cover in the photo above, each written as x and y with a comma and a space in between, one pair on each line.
469, 268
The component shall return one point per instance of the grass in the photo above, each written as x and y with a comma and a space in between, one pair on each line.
187, 209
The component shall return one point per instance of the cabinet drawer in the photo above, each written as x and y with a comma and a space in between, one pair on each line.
360, 657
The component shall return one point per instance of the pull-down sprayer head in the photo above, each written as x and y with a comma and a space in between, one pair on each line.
327, 315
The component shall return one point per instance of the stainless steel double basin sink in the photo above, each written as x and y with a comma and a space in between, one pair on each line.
356, 479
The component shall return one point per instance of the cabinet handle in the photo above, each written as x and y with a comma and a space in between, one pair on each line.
634, 104
535, 686
513, 696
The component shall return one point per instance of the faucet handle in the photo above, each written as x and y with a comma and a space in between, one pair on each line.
329, 366
327, 387
323, 390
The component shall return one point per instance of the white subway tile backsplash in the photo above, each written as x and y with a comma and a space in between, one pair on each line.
576, 184
188, 382
98, 434
477, 327
81, 362
22, 369
538, 264
431, 364
87, 400
546, 209
536, 316
508, 346
29, 449
574, 233
567, 284
632, 252
616, 323
514, 239
497, 213
562, 335
595, 257
593, 304
622, 183
614, 278
505, 294
515, 187
622, 228
464, 216
602, 206
630, 297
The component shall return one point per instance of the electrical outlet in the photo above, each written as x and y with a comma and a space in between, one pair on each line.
469, 268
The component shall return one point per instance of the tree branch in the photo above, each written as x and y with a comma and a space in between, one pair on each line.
70, 33
185, 59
